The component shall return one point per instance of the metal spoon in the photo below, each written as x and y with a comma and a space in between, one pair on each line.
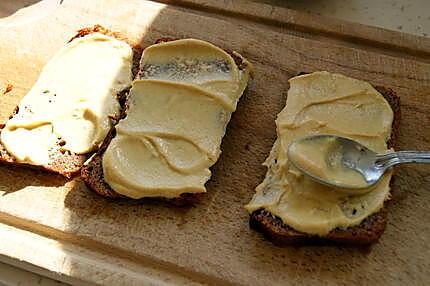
352, 156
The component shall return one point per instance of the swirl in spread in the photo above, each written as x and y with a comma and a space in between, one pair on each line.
177, 115
72, 100
324, 103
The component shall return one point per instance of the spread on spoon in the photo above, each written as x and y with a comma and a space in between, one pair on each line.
321, 157
324, 103
177, 115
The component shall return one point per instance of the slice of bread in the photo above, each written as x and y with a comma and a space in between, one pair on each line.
92, 171
367, 232
61, 161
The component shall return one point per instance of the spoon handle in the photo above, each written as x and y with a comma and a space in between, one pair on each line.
394, 158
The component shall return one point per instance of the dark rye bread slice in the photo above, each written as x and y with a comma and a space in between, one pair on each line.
62, 161
92, 171
367, 232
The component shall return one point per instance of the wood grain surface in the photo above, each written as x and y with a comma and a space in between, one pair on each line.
79, 235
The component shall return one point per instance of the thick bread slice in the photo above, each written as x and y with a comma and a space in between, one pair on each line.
64, 162
368, 231
92, 171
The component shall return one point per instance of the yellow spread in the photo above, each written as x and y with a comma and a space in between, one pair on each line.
72, 100
178, 112
324, 103
322, 158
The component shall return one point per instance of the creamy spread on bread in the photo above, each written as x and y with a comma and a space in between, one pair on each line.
177, 115
324, 103
322, 158
72, 100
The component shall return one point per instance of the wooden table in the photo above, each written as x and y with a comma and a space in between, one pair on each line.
65, 231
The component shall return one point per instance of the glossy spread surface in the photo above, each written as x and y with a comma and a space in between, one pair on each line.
322, 158
324, 103
72, 100
178, 112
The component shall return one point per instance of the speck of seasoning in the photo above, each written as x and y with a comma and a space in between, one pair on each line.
8, 88
46, 91
399, 27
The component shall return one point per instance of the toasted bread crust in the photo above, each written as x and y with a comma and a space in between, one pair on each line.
64, 162
92, 172
281, 234
367, 232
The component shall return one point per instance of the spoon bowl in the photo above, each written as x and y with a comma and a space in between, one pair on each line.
344, 163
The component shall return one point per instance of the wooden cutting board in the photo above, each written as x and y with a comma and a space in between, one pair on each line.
61, 229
